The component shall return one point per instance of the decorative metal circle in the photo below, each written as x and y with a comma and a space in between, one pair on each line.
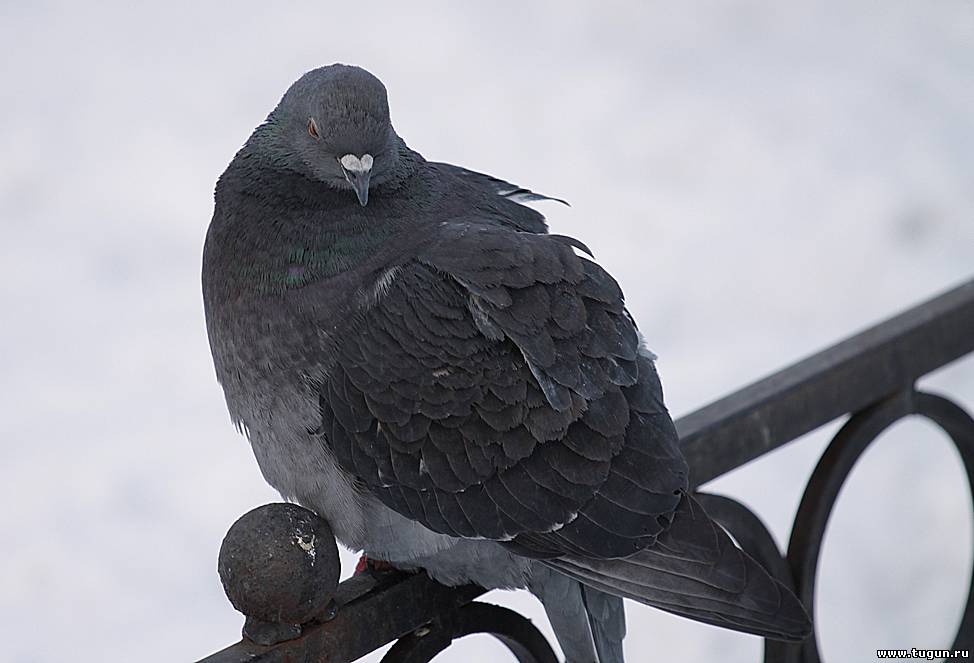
516, 632
833, 469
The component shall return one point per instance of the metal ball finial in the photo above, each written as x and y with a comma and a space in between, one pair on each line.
279, 567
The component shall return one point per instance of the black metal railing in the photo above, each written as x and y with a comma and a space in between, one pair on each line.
870, 376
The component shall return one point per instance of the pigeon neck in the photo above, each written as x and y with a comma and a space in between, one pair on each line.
326, 233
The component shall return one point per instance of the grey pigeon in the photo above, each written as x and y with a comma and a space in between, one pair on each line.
415, 358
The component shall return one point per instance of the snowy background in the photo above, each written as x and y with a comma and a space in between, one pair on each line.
763, 178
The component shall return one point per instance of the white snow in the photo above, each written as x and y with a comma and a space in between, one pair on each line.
784, 174
307, 543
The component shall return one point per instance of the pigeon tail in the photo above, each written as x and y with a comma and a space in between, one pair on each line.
607, 620
695, 570
589, 624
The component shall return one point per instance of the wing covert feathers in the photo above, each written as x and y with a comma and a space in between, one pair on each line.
497, 390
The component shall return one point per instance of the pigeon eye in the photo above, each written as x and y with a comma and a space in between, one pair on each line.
313, 128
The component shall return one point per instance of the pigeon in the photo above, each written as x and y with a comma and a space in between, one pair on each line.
413, 356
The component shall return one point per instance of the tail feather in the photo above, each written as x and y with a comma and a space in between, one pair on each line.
568, 614
696, 571
607, 620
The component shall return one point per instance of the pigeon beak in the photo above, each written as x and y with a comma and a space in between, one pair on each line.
360, 184
357, 172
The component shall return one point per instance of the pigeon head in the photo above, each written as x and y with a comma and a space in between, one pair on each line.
333, 125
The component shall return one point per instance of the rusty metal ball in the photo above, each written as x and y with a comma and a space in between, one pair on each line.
279, 564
